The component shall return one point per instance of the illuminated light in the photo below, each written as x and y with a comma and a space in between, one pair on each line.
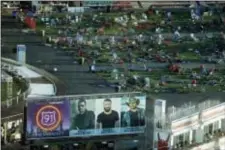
55, 69
17, 136
45, 146
135, 141
104, 142
110, 145
75, 144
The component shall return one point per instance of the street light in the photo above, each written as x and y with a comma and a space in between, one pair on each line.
45, 147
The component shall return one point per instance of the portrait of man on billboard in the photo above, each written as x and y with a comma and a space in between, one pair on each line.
108, 118
135, 116
85, 119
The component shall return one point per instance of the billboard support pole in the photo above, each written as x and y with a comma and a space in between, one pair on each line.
24, 125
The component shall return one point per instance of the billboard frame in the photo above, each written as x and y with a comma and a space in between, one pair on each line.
71, 140
86, 96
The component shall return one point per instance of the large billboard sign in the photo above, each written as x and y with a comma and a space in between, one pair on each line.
86, 116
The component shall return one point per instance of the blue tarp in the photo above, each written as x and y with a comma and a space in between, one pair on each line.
14, 13
30, 14
198, 9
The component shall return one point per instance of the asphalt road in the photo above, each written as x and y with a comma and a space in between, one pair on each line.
77, 78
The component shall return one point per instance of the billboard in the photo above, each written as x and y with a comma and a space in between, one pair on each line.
86, 117
48, 119
21, 53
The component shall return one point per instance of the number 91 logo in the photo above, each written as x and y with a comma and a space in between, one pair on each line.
48, 118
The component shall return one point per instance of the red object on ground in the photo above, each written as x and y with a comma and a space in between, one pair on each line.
174, 68
33, 23
160, 59
167, 42
121, 61
80, 53
150, 12
138, 27
194, 82
27, 20
143, 26
30, 22
121, 4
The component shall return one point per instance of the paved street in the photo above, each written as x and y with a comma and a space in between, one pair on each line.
77, 78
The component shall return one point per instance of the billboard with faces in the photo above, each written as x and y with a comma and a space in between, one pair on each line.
86, 116
107, 116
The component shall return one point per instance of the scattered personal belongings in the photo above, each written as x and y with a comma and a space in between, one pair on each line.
154, 52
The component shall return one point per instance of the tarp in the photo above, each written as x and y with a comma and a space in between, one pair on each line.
14, 13
30, 14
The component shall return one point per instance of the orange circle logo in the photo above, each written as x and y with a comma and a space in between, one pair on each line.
48, 118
